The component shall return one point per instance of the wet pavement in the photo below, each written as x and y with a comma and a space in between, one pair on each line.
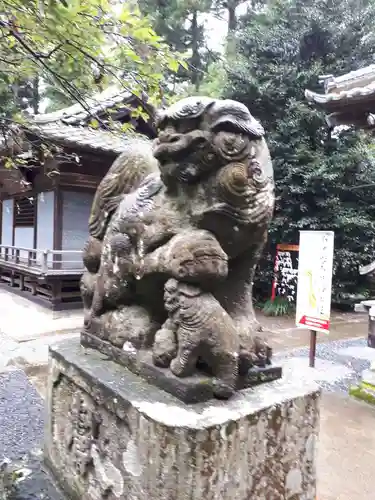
282, 334
346, 449
338, 364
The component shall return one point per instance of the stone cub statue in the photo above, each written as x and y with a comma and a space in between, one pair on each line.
202, 332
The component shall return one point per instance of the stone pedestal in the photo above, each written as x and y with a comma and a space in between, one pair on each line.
110, 435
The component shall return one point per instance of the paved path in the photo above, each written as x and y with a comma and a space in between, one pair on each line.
282, 333
32, 354
26, 330
346, 449
22, 320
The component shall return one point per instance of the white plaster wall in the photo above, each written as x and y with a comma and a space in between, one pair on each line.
45, 220
45, 211
7, 223
24, 237
75, 215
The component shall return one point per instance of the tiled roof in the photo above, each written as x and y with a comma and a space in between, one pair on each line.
353, 86
369, 269
78, 136
69, 125
341, 97
77, 114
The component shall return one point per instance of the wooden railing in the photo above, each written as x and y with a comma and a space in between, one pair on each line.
46, 262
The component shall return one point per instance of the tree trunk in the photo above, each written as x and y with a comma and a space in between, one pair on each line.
232, 19
195, 59
35, 97
231, 6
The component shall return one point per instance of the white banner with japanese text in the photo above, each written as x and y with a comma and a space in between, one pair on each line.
314, 288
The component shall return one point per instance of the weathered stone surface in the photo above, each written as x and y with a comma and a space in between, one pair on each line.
177, 228
111, 435
196, 388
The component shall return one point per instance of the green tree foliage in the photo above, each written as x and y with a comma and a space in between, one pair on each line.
78, 46
181, 24
323, 180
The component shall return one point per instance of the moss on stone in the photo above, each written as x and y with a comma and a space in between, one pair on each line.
361, 392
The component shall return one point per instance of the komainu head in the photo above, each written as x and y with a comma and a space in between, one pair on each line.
198, 135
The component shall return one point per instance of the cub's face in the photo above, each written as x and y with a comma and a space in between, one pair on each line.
171, 302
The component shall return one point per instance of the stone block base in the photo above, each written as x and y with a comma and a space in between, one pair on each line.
195, 389
110, 435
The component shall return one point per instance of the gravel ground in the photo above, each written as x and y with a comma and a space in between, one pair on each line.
339, 364
21, 415
21, 434
38, 485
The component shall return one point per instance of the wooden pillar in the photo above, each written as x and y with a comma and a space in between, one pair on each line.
36, 199
56, 289
14, 221
57, 226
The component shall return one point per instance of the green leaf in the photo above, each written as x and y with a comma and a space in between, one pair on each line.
94, 123
173, 65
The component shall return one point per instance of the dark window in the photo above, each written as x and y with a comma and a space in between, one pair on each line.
24, 212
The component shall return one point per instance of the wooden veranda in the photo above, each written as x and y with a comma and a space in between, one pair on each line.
49, 276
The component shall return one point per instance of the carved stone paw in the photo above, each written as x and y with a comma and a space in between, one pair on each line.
181, 369
222, 390
165, 347
198, 257
247, 360
130, 327
257, 354
262, 350
87, 320
94, 326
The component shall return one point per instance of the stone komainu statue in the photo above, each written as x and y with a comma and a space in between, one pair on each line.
174, 224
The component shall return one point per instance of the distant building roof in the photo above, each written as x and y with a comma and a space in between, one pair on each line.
78, 114
81, 137
70, 126
350, 98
